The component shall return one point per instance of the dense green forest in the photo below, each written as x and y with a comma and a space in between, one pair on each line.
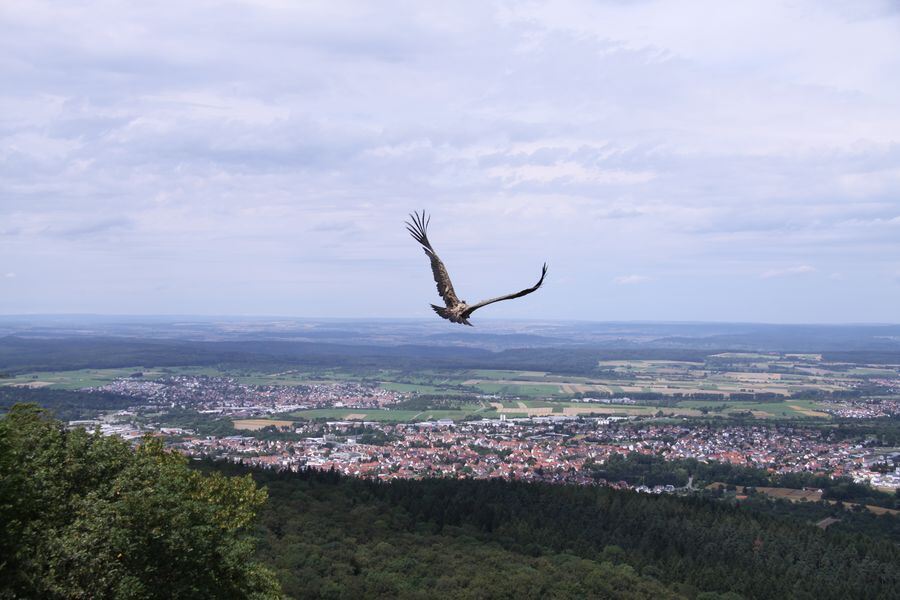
328, 536
87, 516
844, 519
67, 405
22, 355
650, 470
884, 431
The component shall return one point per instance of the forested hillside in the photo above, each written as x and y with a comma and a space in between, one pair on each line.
335, 537
90, 517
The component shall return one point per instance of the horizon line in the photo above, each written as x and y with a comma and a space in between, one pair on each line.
426, 319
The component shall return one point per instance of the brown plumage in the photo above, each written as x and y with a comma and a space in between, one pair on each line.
456, 310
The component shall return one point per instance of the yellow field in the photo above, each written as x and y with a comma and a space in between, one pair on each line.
764, 373
754, 377
645, 363
619, 410
522, 409
671, 377
254, 424
880, 510
809, 413
510, 382
791, 494
795, 495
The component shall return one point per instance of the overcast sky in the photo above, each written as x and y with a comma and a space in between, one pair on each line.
695, 160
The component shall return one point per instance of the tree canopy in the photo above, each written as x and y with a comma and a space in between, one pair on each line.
88, 516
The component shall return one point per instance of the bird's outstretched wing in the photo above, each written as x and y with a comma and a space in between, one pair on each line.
524, 292
419, 230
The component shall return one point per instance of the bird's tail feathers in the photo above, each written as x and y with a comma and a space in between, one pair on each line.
445, 313
441, 311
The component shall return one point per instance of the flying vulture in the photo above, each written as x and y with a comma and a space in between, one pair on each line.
456, 311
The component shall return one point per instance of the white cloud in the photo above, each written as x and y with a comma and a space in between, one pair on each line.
9, 275
280, 139
870, 183
787, 271
569, 171
631, 279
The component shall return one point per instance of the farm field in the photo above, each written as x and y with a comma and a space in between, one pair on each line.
728, 374
531, 408
791, 409
806, 495
517, 388
418, 388
678, 388
725, 374
515, 409
521, 409
397, 416
254, 424
74, 380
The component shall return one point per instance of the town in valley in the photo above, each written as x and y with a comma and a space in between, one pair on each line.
781, 414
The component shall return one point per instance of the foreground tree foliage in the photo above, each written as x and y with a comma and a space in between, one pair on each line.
87, 516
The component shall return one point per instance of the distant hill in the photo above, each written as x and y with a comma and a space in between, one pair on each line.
19, 354
487, 334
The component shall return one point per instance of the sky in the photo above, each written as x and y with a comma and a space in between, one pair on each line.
670, 160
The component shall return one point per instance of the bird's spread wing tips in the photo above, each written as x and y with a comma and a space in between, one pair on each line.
524, 292
419, 228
